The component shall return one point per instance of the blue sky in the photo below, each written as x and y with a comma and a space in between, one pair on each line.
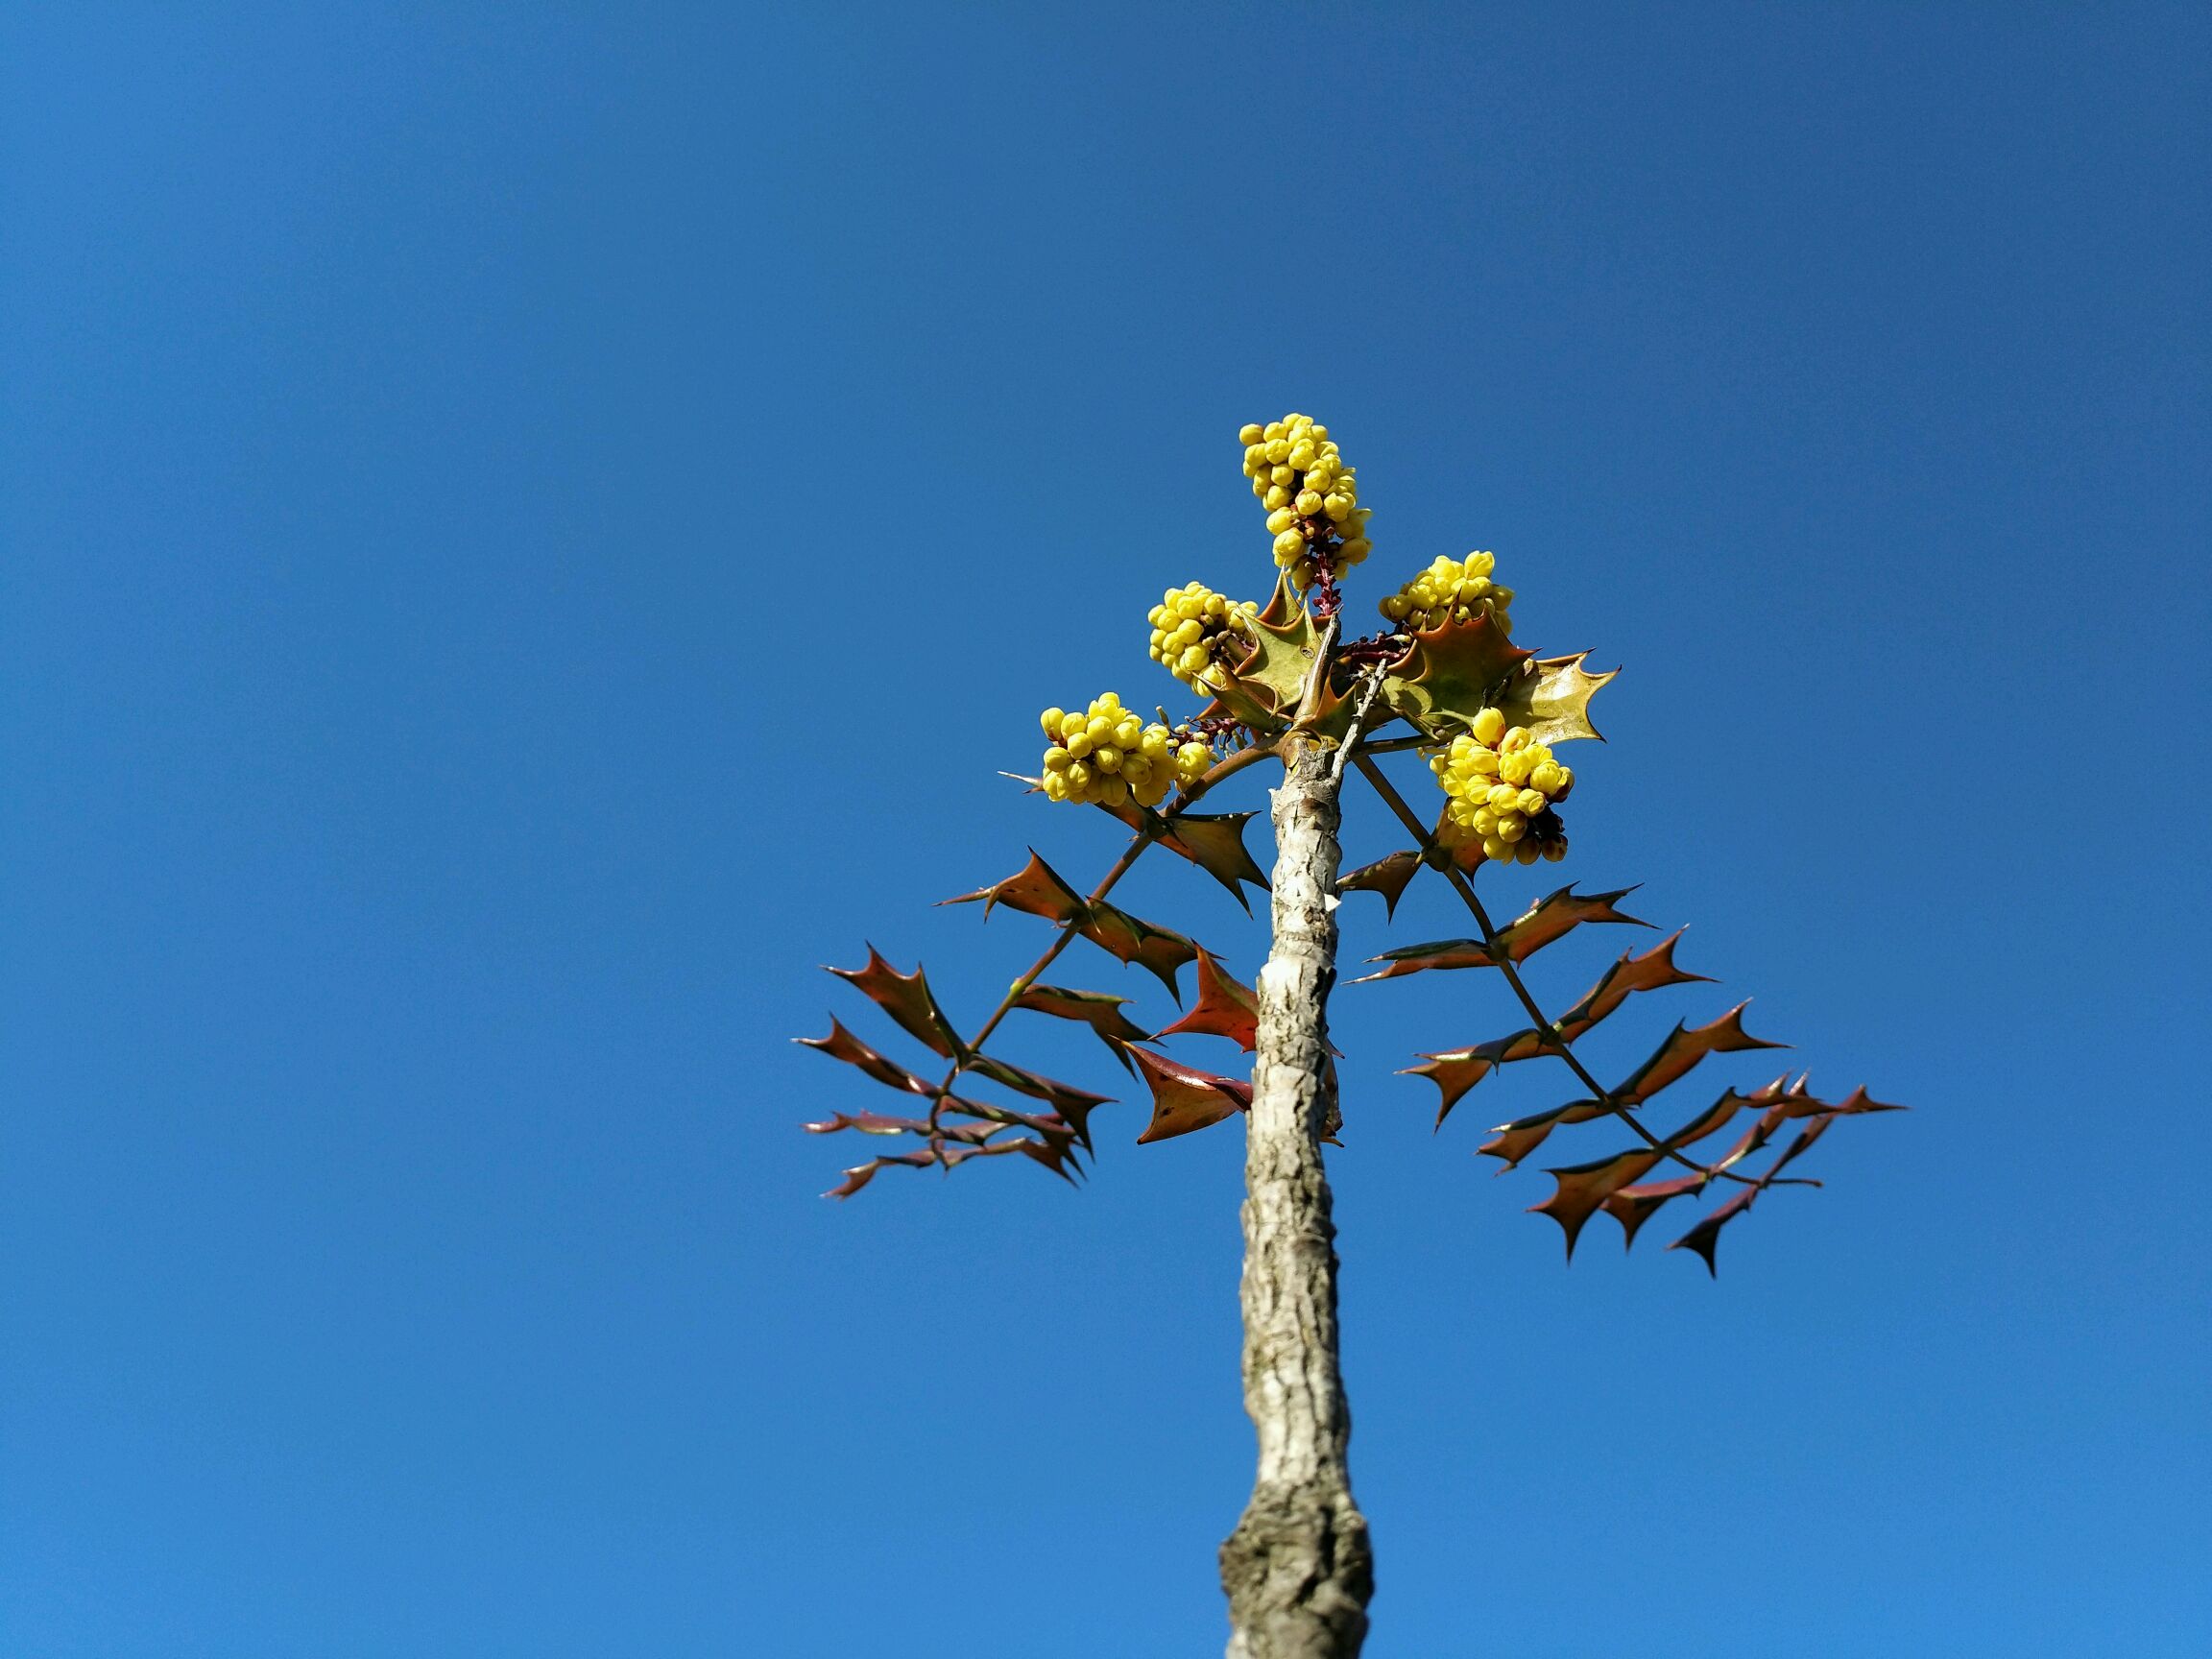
528, 530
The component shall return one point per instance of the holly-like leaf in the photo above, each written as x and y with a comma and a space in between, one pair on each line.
906, 998
1457, 1071
1073, 1104
842, 1045
1460, 1069
1652, 971
1583, 1187
1128, 938
1552, 698
1385, 876
1705, 1236
1550, 918
1035, 889
860, 1174
1683, 1048
1633, 1206
1214, 841
1515, 1141
1285, 643
1225, 1008
1554, 916
1097, 1009
1452, 673
1185, 1099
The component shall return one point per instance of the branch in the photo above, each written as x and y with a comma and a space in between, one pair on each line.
1556, 1040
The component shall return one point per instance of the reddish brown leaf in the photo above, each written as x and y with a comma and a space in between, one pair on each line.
1652, 971
1073, 1104
1515, 1141
1385, 876
1225, 1008
1185, 1099
1705, 1236
1214, 841
1133, 939
860, 1174
1460, 1071
1101, 1012
1034, 889
842, 1045
1633, 1206
1683, 1048
1859, 1101
1438, 954
906, 998
1554, 916
1583, 1187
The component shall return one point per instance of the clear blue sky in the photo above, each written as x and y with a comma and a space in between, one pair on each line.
528, 529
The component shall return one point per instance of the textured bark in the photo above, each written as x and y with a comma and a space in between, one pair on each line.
1297, 1569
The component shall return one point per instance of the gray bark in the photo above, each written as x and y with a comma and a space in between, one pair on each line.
1297, 1569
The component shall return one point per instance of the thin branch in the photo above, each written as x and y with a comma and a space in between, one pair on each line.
1553, 1040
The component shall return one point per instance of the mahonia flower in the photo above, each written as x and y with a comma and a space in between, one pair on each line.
1501, 786
1194, 630
1452, 590
1312, 497
1109, 755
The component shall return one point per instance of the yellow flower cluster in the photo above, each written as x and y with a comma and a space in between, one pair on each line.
1452, 590
1106, 753
1312, 499
1193, 625
1500, 786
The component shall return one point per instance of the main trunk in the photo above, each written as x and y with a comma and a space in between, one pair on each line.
1297, 1569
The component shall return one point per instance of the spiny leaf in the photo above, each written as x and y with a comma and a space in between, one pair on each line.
1035, 889
1225, 1008
1214, 841
1185, 1099
1284, 642
860, 1174
1683, 1048
1132, 939
1452, 673
1385, 876
1554, 916
1583, 1187
1515, 1141
1552, 698
842, 1045
1633, 1206
1097, 1009
1652, 971
906, 998
1070, 1102
1705, 1236
1457, 1071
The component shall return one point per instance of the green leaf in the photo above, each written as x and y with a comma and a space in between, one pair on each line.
1552, 698
1451, 674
